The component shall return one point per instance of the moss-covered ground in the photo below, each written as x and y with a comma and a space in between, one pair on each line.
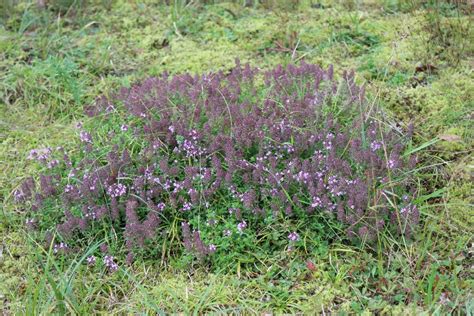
416, 59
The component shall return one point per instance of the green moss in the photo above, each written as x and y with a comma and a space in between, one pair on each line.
440, 108
185, 55
459, 196
13, 266
24, 131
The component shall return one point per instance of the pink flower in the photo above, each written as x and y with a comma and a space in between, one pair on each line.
187, 206
91, 260
116, 190
293, 236
85, 137
212, 248
110, 264
241, 226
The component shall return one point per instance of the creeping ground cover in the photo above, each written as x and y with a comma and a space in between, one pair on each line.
224, 157
210, 164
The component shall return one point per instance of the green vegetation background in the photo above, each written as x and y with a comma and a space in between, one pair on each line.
416, 58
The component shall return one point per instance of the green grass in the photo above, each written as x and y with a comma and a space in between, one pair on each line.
51, 65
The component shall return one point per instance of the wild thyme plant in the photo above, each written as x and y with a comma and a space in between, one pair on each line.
197, 163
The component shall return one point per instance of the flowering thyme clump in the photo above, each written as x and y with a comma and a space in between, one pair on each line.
242, 147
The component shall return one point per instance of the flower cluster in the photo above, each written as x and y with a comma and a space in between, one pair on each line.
45, 156
60, 248
293, 236
117, 190
109, 263
241, 226
41, 154
91, 260
290, 140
